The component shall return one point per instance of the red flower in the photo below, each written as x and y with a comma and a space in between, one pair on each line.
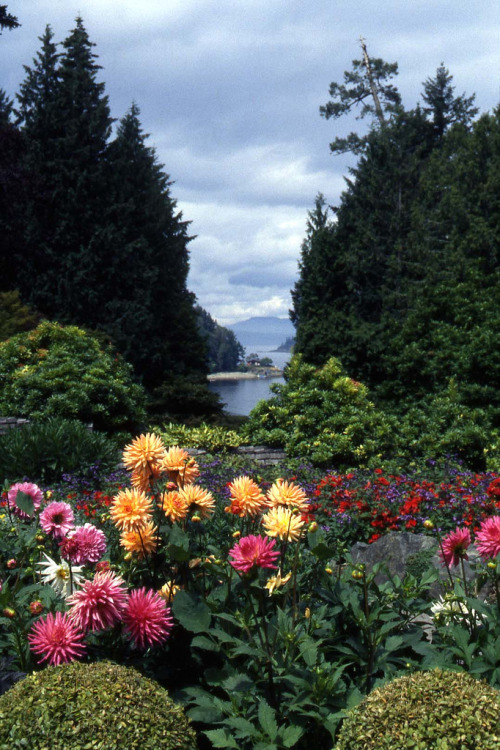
147, 619
252, 551
488, 538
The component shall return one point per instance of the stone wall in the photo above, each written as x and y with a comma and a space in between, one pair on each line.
11, 423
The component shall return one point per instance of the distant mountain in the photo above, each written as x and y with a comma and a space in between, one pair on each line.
262, 332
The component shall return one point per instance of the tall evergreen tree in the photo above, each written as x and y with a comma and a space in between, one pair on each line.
443, 107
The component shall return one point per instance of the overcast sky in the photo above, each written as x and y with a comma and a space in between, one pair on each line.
230, 90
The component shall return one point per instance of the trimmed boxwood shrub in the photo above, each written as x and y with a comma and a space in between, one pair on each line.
441, 710
100, 706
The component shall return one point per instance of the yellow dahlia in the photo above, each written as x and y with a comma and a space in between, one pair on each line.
283, 523
131, 509
276, 582
168, 591
287, 493
174, 506
144, 453
246, 497
141, 542
200, 501
180, 466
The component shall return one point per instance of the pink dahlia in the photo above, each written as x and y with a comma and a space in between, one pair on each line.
86, 544
27, 488
252, 551
57, 519
99, 604
146, 618
488, 538
57, 639
454, 546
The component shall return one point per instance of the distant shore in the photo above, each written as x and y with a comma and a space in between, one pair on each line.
266, 372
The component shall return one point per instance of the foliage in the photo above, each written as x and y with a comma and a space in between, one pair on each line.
415, 711
64, 371
212, 438
225, 352
56, 708
321, 415
402, 286
45, 450
14, 316
95, 206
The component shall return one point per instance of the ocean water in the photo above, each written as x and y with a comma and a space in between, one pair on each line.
240, 396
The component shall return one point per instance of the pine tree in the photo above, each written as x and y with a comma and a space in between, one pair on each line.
443, 106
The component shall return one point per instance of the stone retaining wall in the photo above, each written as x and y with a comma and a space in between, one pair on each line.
11, 423
259, 453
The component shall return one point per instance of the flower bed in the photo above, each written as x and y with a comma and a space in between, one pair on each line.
235, 588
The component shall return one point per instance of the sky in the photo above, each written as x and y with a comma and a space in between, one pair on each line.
229, 92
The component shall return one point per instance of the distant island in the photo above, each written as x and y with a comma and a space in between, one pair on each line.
286, 346
262, 332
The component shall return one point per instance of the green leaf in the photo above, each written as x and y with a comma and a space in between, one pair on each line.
25, 502
178, 545
291, 735
238, 683
221, 738
267, 719
191, 611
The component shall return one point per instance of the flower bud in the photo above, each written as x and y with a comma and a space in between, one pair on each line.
428, 524
357, 575
11, 563
329, 571
307, 613
492, 565
9, 612
196, 519
36, 607
40, 538
236, 534
312, 527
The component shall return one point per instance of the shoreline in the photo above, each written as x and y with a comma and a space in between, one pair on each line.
266, 374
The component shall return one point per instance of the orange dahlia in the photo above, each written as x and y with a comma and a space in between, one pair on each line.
181, 468
141, 542
142, 480
246, 497
144, 453
174, 506
131, 509
287, 493
281, 522
200, 501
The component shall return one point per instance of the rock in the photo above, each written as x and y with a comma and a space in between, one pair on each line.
402, 551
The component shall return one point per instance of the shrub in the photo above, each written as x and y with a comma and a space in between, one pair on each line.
44, 451
64, 371
100, 706
323, 416
210, 437
439, 709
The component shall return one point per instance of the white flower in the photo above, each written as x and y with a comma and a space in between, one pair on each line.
60, 576
445, 610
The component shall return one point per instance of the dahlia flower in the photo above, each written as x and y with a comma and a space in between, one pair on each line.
86, 544
174, 506
147, 618
283, 523
454, 546
444, 610
246, 497
27, 488
99, 604
488, 537
57, 639
253, 551
287, 493
276, 582
200, 501
168, 591
144, 453
180, 467
141, 542
131, 509
57, 519
143, 481
60, 576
